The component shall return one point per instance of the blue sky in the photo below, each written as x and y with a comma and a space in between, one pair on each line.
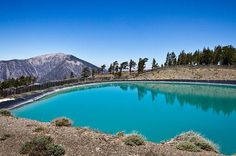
103, 31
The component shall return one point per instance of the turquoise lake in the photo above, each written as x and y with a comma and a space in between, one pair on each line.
159, 111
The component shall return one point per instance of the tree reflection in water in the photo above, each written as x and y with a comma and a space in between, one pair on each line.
206, 97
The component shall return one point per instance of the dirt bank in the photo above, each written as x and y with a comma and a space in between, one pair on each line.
79, 141
192, 73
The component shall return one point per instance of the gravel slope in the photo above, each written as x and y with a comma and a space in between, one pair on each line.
192, 73
80, 141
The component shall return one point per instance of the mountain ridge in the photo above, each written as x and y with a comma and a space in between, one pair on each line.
47, 67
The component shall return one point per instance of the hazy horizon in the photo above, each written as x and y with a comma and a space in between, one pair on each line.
101, 32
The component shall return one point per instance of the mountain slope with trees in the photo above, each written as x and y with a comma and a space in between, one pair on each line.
44, 68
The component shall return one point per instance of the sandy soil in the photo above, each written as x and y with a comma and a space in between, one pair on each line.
80, 141
193, 73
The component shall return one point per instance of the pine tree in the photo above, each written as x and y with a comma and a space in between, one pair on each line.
168, 59
228, 55
173, 59
189, 59
132, 65
196, 57
141, 65
115, 66
217, 55
154, 64
123, 65
94, 71
103, 68
111, 69
85, 73
207, 56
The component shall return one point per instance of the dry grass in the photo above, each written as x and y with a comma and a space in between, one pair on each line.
80, 141
42, 146
190, 139
5, 112
134, 140
194, 73
187, 146
120, 134
179, 72
62, 122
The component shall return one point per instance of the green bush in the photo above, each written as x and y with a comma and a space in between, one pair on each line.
134, 140
205, 145
198, 141
5, 112
37, 143
43, 146
62, 122
55, 150
39, 129
187, 146
120, 134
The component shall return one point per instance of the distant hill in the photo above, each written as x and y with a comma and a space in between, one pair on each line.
44, 68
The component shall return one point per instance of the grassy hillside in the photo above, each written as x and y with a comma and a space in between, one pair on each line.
181, 72
195, 73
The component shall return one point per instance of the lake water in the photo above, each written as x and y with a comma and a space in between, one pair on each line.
159, 111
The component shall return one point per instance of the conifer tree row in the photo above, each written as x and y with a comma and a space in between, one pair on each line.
22, 81
218, 56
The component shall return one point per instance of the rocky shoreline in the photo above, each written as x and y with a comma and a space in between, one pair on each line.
80, 141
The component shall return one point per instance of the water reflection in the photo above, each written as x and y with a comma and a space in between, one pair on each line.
218, 98
204, 97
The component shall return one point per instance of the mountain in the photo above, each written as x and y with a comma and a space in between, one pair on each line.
46, 67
